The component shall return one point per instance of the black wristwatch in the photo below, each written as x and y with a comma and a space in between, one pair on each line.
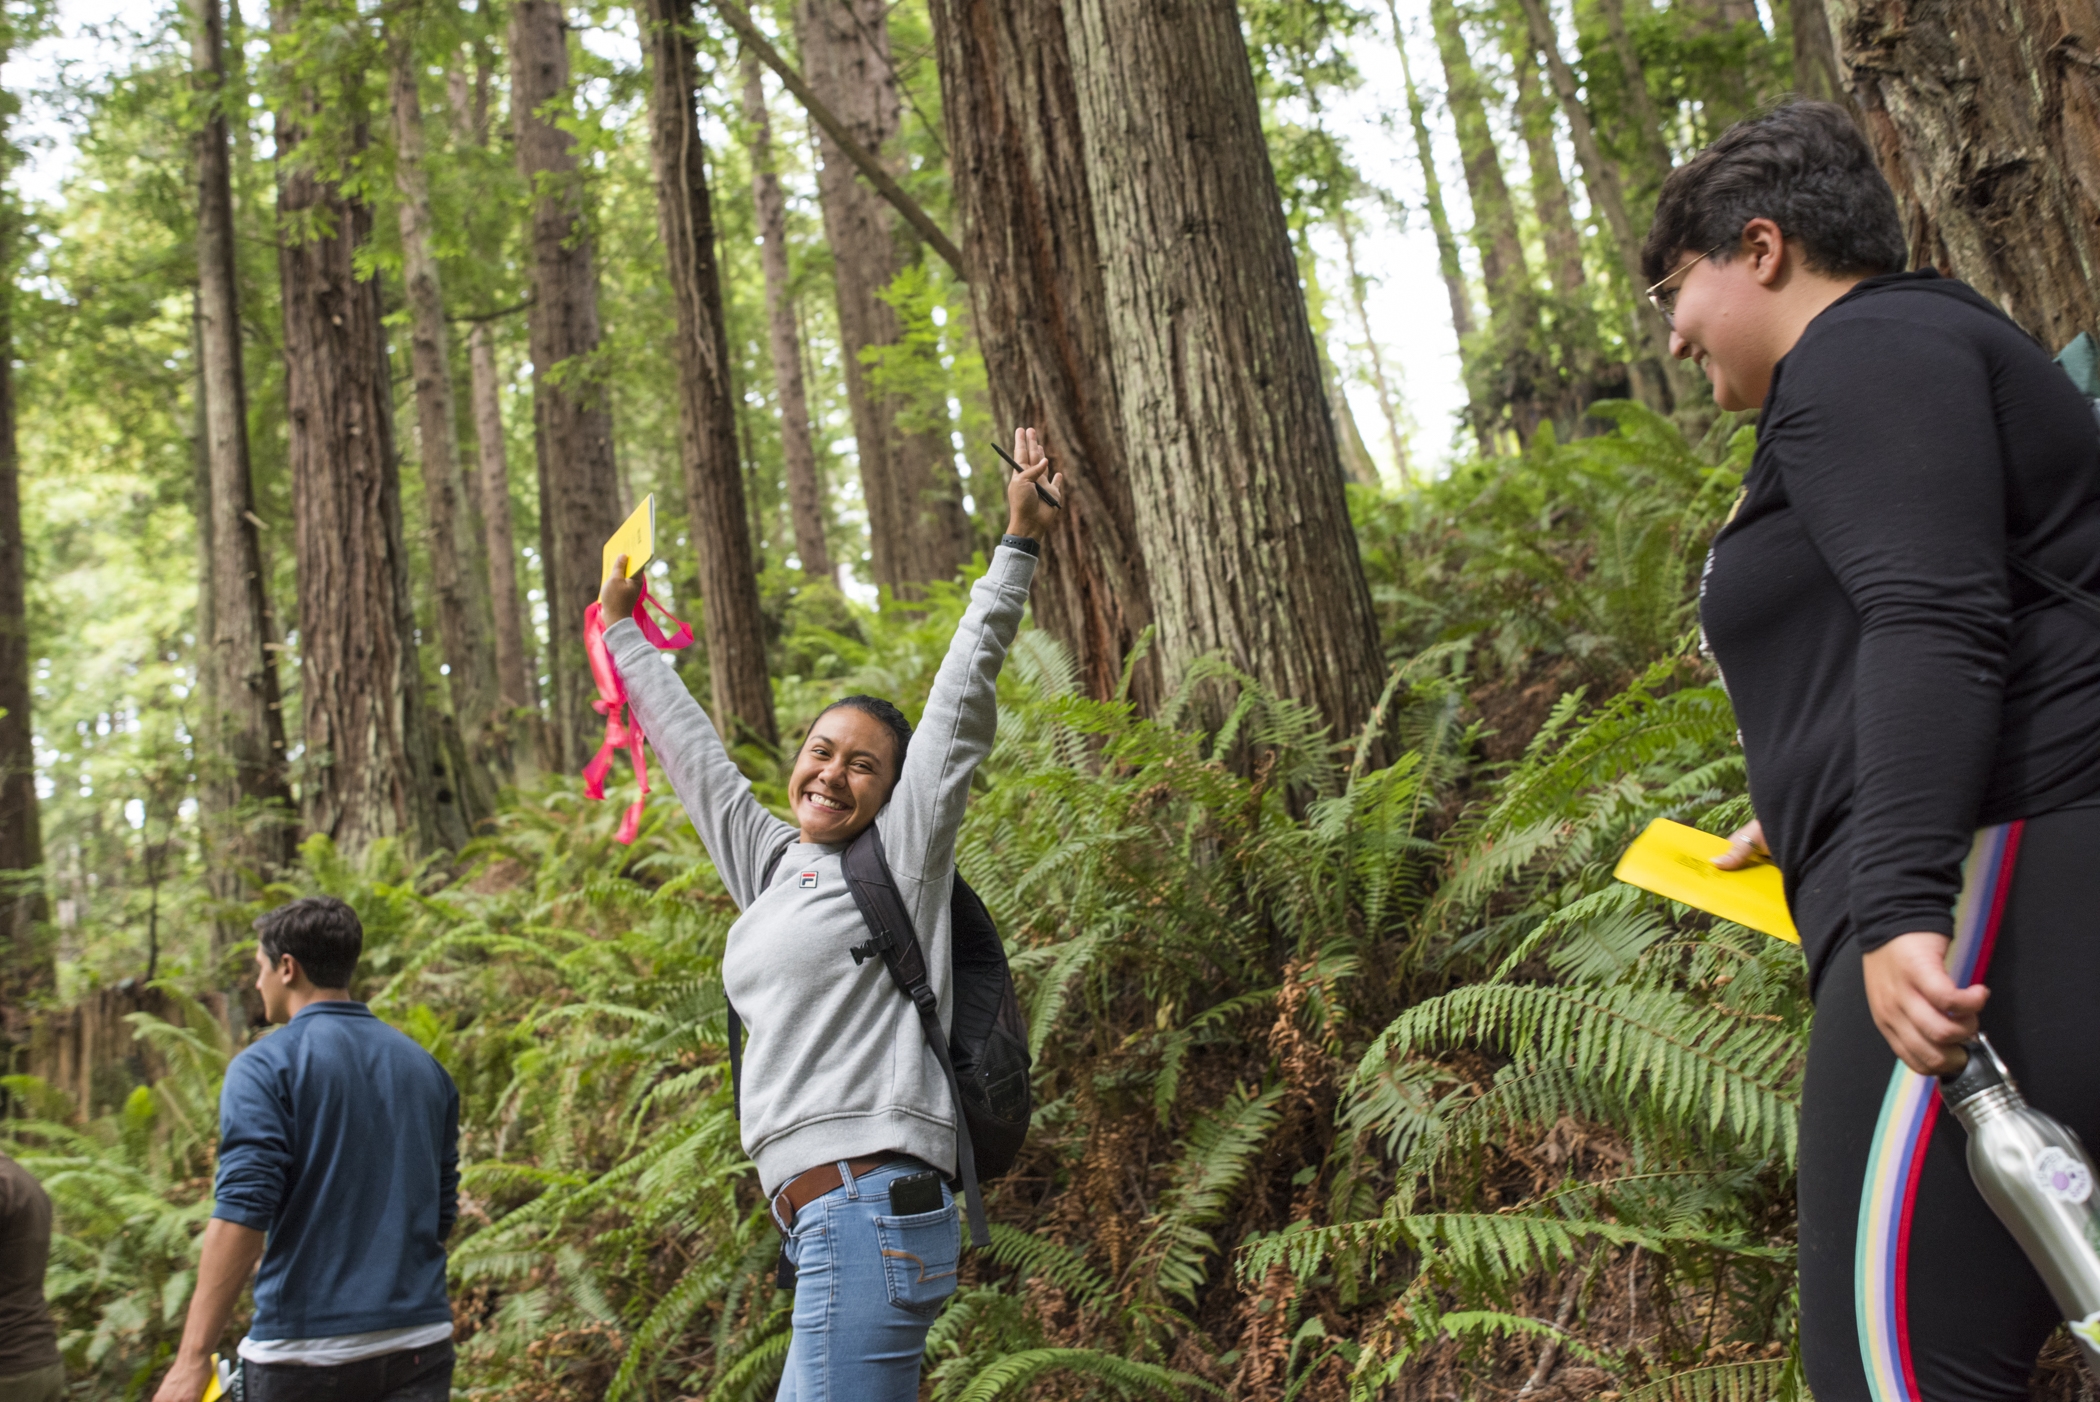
1026, 544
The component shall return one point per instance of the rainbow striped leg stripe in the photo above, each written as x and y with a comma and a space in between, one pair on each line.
1908, 1112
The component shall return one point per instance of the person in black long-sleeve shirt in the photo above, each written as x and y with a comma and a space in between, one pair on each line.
1921, 723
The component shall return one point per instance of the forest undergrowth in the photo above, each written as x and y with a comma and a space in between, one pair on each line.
1358, 1076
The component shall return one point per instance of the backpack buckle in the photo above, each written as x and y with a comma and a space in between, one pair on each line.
877, 944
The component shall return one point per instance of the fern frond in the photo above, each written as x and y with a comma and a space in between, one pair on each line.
1127, 1376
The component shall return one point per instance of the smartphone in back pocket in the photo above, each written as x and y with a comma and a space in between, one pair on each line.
915, 1193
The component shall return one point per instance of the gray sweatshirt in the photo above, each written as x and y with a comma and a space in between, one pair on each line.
836, 1066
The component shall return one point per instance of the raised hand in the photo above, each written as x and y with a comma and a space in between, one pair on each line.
1027, 514
619, 594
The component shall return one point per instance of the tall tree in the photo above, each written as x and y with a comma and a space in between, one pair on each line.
917, 530
1659, 378
459, 564
1234, 471
1981, 116
1816, 72
1439, 222
518, 695
244, 789
1503, 266
22, 905
1549, 187
714, 477
806, 505
1388, 401
1506, 362
371, 769
1641, 114
518, 692
579, 481
1041, 310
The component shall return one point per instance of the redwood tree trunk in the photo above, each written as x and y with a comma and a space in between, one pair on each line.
459, 566
244, 790
916, 527
1041, 312
806, 509
1985, 116
1234, 472
370, 769
516, 683
579, 482
714, 478
22, 908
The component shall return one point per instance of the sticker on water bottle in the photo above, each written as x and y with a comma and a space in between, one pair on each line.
2062, 1176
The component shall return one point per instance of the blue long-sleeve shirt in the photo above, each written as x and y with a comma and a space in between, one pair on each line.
339, 1137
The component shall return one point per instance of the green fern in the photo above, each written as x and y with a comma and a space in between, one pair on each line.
1128, 1377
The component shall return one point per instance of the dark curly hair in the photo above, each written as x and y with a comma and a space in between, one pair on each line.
1804, 166
884, 711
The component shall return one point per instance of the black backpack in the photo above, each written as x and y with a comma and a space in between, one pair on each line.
984, 1056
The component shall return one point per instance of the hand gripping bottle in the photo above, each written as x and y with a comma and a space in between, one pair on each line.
2038, 1179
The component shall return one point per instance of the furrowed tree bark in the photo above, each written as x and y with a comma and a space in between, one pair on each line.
1986, 120
244, 790
459, 563
1233, 466
579, 481
714, 478
1018, 171
917, 531
28, 968
806, 501
1665, 382
370, 769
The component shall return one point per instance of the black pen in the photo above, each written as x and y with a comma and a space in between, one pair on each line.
1040, 490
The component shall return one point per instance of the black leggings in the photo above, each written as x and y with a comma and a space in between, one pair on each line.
1939, 1305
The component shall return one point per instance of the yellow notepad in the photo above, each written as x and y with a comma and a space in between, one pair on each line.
636, 539
1673, 860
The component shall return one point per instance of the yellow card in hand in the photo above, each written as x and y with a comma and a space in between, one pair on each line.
1673, 860
636, 539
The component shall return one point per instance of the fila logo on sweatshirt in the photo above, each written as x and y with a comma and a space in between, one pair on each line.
807, 881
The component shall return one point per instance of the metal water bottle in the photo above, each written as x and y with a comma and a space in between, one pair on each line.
2038, 1179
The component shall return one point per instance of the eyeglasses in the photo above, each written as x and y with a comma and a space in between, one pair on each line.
1665, 303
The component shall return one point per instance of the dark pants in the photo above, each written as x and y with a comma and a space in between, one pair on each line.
412, 1375
1939, 1304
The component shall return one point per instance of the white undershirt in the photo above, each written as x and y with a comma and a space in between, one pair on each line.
344, 1348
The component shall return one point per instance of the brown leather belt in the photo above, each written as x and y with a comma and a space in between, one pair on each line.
806, 1187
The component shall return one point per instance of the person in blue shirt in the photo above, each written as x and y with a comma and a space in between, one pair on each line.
339, 1173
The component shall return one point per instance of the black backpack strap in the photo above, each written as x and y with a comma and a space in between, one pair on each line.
736, 1024
891, 935
2082, 600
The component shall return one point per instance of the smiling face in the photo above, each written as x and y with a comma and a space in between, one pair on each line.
1736, 320
1720, 323
843, 775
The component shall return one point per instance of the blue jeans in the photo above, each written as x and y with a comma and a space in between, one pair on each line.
867, 1286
